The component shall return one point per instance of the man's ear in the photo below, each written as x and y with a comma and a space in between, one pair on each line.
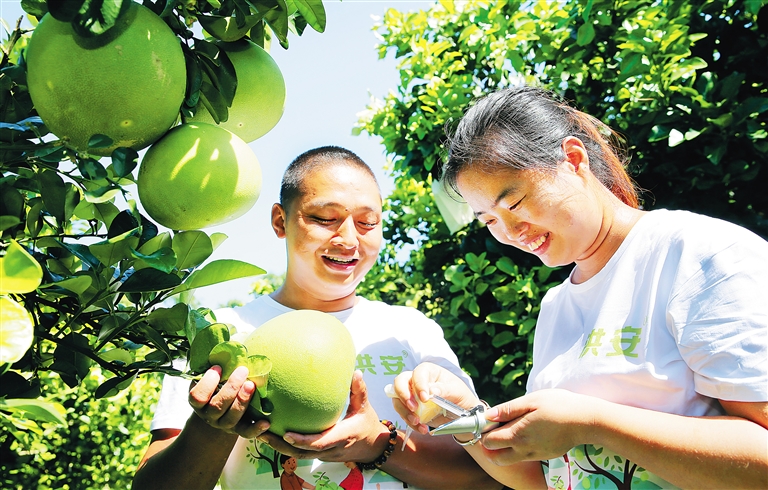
575, 153
278, 220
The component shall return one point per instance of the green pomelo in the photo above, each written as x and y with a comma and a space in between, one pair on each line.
313, 359
260, 96
204, 342
127, 84
229, 355
198, 175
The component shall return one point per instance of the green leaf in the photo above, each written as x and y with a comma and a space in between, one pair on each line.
65, 10
169, 320
504, 317
76, 284
156, 339
91, 169
277, 19
19, 271
96, 17
99, 141
313, 12
124, 161
146, 280
115, 249
506, 266
473, 307
109, 328
37, 410
217, 239
7, 222
217, 272
503, 338
512, 376
585, 34
162, 260
214, 102
54, 193
192, 248
112, 386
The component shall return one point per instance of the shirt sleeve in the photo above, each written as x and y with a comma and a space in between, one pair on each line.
719, 316
430, 345
173, 408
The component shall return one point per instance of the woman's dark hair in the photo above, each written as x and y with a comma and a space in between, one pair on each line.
523, 128
312, 160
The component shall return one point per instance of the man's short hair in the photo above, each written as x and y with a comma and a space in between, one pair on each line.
312, 160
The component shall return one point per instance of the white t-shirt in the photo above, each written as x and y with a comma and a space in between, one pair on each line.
676, 319
389, 340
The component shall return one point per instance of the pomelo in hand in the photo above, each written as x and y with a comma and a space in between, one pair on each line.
313, 359
198, 175
260, 95
127, 84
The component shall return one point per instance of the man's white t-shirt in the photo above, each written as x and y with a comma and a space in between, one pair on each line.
389, 340
677, 319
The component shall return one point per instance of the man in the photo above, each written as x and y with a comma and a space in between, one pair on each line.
330, 217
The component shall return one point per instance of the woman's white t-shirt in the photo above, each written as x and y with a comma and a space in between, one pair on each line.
677, 319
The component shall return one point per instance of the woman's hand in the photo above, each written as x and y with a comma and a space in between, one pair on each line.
360, 436
539, 426
427, 379
225, 408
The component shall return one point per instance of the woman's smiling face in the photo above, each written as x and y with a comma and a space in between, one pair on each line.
553, 215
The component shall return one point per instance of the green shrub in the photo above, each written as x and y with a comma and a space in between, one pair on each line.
100, 447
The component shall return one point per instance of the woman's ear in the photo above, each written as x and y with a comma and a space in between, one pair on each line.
575, 153
278, 220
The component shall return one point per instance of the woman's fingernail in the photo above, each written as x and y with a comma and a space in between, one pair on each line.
492, 413
289, 440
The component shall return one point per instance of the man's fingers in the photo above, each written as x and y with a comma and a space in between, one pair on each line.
358, 393
249, 428
232, 416
202, 391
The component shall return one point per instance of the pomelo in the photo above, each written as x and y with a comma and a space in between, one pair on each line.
17, 330
127, 84
313, 359
260, 95
198, 175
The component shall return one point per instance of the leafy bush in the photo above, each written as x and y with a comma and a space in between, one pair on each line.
99, 447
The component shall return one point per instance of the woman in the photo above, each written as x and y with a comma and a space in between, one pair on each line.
650, 364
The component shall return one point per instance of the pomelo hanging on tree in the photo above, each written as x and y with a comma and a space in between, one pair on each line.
127, 84
260, 95
198, 175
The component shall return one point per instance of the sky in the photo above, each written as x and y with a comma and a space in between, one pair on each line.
330, 77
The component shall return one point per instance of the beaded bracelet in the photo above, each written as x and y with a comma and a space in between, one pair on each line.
376, 463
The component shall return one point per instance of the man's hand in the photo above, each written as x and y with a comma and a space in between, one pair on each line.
225, 408
357, 437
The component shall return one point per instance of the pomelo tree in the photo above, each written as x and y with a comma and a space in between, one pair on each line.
91, 289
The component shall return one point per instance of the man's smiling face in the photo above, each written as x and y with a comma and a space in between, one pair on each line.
333, 231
